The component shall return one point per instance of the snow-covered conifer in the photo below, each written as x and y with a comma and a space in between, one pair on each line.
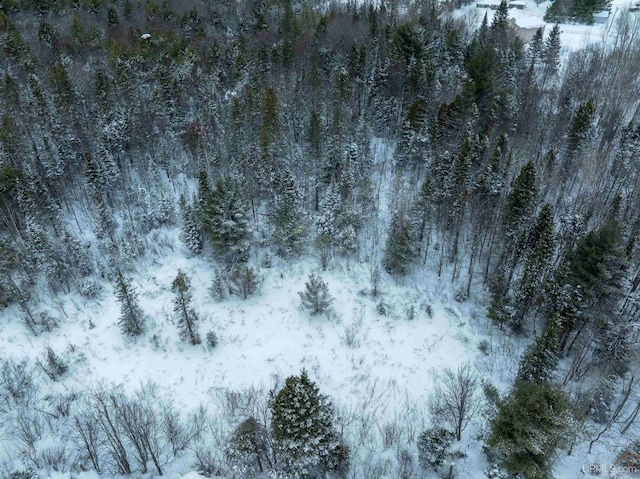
304, 436
183, 308
132, 321
315, 296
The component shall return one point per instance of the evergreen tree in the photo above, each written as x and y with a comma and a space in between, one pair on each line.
288, 224
132, 320
500, 26
580, 126
533, 422
540, 249
183, 308
535, 49
434, 447
521, 200
244, 281
191, 230
219, 288
316, 295
247, 449
551, 52
304, 436
540, 360
224, 214
399, 250
588, 287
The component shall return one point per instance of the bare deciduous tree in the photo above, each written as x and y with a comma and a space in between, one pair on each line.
455, 400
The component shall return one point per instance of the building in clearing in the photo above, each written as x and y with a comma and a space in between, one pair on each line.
519, 4
526, 27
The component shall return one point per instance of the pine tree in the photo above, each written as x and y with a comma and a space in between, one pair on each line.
247, 449
500, 26
551, 52
305, 439
580, 126
535, 49
289, 229
183, 307
540, 361
399, 250
540, 249
521, 200
533, 422
191, 230
434, 447
219, 288
316, 295
244, 281
588, 286
224, 214
132, 320
327, 229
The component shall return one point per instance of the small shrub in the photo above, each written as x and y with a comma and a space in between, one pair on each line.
406, 466
212, 339
429, 310
629, 458
434, 447
26, 474
206, 463
484, 346
382, 310
496, 472
47, 322
351, 336
53, 366
411, 313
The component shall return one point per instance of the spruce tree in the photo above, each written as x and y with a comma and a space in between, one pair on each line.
551, 52
244, 280
534, 52
532, 423
183, 308
540, 249
288, 225
399, 250
247, 449
219, 288
580, 126
224, 214
305, 439
521, 200
315, 296
132, 320
540, 360
191, 229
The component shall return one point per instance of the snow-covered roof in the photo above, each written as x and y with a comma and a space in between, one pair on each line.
529, 22
518, 3
145, 36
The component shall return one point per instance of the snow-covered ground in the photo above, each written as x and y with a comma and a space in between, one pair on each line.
374, 366
573, 36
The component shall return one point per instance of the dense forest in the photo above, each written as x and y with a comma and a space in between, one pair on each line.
249, 126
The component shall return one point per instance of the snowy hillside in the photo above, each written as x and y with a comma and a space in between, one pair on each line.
298, 239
